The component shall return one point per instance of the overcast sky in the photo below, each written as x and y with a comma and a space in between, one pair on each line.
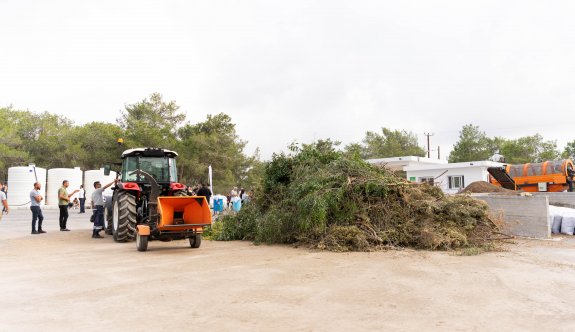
300, 70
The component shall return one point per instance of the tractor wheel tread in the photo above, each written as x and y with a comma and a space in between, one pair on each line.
126, 217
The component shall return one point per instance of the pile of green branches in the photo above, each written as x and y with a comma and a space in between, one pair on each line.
330, 200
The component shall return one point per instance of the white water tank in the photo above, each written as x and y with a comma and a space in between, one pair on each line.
21, 182
55, 178
97, 175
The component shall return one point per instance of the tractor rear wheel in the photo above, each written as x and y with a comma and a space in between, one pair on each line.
196, 241
124, 216
142, 242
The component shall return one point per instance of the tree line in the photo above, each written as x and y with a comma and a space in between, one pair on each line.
51, 141
472, 145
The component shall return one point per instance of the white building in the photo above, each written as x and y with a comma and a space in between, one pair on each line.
453, 177
400, 163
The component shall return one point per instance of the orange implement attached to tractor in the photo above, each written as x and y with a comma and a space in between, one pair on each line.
548, 176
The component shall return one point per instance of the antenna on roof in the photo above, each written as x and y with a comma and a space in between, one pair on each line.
428, 146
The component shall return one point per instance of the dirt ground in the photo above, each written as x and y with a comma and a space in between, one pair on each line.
66, 281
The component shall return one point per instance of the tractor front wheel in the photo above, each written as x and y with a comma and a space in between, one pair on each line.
124, 216
142, 242
195, 241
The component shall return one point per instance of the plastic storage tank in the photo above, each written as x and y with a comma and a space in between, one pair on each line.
21, 181
97, 175
55, 178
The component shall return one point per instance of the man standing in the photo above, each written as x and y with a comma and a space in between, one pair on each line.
63, 200
98, 203
82, 198
4, 201
205, 191
35, 199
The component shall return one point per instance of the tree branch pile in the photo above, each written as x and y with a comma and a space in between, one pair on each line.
328, 200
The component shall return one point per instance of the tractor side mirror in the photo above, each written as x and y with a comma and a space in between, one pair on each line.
107, 170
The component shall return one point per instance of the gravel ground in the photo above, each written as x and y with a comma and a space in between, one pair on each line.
67, 281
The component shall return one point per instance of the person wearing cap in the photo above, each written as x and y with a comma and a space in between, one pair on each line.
63, 200
98, 203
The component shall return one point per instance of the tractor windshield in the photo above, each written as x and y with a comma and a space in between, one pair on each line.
162, 169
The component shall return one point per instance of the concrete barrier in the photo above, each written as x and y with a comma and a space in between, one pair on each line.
564, 199
522, 215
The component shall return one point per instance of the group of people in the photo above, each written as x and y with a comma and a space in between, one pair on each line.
234, 200
238, 198
64, 197
64, 202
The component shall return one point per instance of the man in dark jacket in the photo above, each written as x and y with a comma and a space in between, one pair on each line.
205, 191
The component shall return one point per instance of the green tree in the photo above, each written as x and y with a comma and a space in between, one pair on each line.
529, 149
388, 143
254, 172
11, 146
472, 145
51, 141
98, 141
151, 122
569, 151
354, 150
214, 142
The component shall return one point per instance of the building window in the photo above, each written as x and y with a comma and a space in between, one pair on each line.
428, 180
456, 182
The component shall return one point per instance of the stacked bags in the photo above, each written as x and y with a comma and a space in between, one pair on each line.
562, 220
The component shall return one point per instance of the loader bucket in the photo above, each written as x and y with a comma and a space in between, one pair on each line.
183, 213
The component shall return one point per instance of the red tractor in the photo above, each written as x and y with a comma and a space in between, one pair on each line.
149, 203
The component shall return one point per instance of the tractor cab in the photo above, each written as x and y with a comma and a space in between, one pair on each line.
159, 163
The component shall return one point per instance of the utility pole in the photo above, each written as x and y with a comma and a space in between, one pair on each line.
428, 146
438, 152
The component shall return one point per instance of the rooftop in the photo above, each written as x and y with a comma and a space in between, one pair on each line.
467, 164
400, 163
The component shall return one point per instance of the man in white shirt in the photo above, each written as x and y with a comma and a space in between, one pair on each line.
82, 198
35, 199
98, 205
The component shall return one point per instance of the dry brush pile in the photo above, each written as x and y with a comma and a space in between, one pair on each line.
323, 198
